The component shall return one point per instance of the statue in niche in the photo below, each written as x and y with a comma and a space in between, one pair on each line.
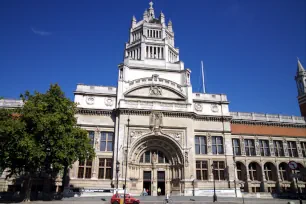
154, 158
156, 120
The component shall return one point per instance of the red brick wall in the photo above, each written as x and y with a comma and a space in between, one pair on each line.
267, 130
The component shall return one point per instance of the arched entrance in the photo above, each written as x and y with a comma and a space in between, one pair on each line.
157, 162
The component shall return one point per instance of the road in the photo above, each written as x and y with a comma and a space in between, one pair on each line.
176, 200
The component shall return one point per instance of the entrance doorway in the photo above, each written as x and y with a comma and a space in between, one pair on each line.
147, 181
161, 181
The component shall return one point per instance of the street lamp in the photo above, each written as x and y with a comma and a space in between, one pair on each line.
126, 158
234, 158
215, 196
117, 170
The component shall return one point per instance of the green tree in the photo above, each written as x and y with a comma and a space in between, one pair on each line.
48, 124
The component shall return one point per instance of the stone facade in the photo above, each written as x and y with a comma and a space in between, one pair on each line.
154, 131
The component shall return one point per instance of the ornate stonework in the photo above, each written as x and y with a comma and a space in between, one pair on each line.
90, 100
155, 91
214, 108
198, 107
109, 101
156, 121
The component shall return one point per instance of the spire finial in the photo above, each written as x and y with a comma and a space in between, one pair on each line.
298, 58
151, 4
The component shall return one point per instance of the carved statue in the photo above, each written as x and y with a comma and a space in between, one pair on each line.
156, 120
154, 158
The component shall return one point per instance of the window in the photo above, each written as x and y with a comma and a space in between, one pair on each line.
249, 147
105, 168
148, 156
202, 171
268, 171
303, 146
200, 145
85, 169
264, 147
292, 149
278, 148
91, 137
253, 172
236, 147
217, 145
240, 171
283, 172
218, 170
106, 143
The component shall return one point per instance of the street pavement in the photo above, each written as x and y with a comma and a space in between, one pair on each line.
176, 200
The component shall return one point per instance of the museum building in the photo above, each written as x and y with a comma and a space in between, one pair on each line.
155, 132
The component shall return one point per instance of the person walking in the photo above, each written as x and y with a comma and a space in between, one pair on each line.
158, 191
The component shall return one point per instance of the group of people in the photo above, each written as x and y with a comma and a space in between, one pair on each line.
146, 192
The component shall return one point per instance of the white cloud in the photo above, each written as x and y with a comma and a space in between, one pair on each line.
40, 32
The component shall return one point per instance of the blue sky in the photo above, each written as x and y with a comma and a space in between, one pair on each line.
249, 47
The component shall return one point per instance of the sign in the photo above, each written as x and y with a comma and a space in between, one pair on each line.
292, 165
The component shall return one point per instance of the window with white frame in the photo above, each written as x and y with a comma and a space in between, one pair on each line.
264, 147
303, 146
292, 149
236, 147
249, 147
202, 170
105, 168
84, 170
218, 170
217, 145
200, 145
91, 135
278, 148
283, 171
106, 142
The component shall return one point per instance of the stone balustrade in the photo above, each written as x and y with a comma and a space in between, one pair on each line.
209, 97
267, 117
82, 88
10, 103
154, 105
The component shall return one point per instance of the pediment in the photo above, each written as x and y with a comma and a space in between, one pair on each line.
154, 91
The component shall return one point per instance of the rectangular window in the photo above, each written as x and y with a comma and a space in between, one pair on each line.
236, 147
278, 148
218, 170
202, 170
91, 137
217, 145
200, 145
106, 142
105, 168
249, 147
292, 149
303, 146
264, 147
84, 170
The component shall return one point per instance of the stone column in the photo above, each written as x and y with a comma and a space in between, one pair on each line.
248, 180
299, 148
263, 180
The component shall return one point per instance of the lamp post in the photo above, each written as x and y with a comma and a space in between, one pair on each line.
126, 158
215, 196
234, 158
117, 170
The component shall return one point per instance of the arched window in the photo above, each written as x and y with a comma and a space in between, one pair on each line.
147, 157
254, 171
283, 171
241, 171
270, 172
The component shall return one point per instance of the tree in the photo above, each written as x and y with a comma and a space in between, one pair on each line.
48, 125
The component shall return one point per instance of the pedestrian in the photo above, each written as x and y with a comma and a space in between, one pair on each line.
158, 191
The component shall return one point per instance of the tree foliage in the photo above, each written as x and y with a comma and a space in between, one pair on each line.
43, 135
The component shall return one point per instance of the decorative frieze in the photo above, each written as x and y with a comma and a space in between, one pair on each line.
198, 107
285, 145
271, 145
257, 147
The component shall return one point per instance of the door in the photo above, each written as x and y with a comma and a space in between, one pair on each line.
147, 181
161, 182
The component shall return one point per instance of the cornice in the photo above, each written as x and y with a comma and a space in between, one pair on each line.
85, 111
268, 123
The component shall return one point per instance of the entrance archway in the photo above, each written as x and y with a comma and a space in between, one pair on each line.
158, 162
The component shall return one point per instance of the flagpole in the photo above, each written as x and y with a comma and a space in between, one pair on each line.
204, 90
